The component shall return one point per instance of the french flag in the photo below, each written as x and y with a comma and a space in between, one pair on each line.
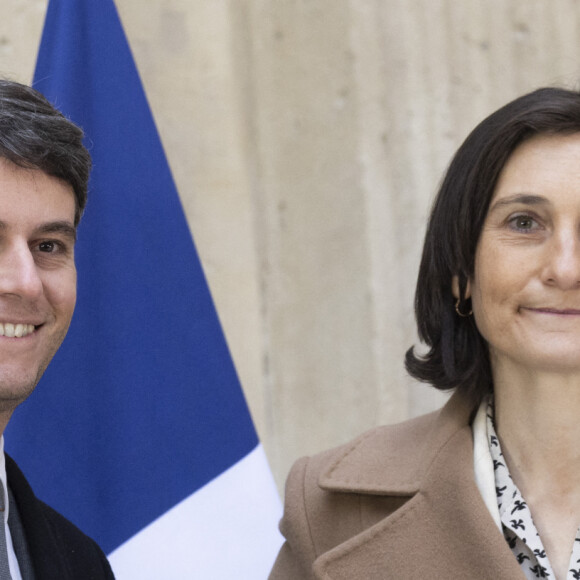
139, 432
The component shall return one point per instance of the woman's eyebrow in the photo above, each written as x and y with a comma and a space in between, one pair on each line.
520, 198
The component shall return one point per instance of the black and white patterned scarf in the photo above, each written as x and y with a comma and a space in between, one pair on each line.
516, 518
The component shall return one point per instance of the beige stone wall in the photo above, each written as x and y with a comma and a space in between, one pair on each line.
307, 138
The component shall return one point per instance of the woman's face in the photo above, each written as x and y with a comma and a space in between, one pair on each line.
525, 289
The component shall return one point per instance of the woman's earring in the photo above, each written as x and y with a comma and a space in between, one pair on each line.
457, 303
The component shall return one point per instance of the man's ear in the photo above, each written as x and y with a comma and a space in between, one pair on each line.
455, 288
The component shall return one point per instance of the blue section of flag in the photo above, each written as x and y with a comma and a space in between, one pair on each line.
142, 405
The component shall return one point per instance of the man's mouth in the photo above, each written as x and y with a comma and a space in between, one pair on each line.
15, 329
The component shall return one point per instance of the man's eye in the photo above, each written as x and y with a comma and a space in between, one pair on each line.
47, 246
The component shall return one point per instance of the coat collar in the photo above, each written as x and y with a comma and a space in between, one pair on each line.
386, 461
444, 530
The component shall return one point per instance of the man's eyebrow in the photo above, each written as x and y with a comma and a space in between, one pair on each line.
521, 198
57, 227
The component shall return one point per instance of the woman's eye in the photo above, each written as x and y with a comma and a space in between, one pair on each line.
523, 222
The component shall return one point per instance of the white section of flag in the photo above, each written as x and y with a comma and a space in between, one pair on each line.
227, 529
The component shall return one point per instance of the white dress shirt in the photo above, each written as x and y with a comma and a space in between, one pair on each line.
12, 560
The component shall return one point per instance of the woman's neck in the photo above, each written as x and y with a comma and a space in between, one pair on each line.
537, 420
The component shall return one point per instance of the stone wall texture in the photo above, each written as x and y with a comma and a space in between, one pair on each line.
307, 138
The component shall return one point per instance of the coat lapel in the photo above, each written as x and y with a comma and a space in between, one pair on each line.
46, 550
443, 530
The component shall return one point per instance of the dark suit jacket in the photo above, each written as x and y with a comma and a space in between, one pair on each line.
58, 550
400, 502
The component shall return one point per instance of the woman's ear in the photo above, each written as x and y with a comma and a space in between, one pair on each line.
455, 288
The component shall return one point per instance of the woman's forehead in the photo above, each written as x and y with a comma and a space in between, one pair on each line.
539, 165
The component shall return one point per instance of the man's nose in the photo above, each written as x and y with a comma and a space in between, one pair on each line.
19, 275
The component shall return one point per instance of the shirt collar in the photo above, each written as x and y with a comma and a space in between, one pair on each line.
3, 478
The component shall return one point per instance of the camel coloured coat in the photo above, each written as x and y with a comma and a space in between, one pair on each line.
399, 502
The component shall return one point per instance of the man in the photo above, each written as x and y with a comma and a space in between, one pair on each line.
44, 170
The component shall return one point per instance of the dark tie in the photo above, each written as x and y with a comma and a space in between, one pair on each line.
4, 566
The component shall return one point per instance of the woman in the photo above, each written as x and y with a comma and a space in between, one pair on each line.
489, 486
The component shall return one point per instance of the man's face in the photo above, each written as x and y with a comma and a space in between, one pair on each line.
37, 276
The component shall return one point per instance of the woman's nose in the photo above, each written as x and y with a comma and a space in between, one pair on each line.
562, 267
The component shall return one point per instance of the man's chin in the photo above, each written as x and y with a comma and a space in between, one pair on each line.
14, 393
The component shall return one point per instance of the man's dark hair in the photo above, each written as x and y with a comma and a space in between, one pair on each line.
33, 134
458, 356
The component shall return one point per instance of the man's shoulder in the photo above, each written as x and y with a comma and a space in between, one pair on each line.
69, 536
53, 540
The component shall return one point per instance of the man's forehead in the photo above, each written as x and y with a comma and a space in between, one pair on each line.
32, 197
